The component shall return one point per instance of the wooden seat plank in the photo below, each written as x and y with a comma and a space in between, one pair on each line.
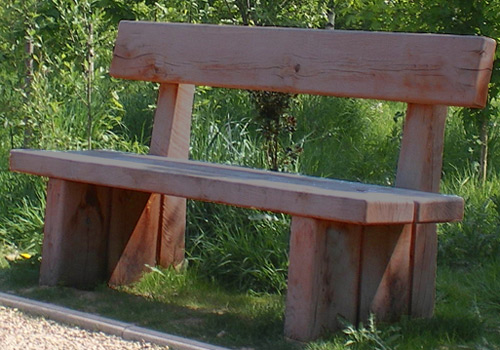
293, 194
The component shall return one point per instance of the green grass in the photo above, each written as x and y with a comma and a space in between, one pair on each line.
181, 304
476, 238
186, 304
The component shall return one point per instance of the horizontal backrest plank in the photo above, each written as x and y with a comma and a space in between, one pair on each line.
297, 195
417, 68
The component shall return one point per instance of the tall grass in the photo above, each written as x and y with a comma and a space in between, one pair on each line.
477, 237
240, 248
349, 138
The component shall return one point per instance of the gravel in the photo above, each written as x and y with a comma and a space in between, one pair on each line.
19, 331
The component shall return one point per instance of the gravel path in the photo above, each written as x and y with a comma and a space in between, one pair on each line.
20, 331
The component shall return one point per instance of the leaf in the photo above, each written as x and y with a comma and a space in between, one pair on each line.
154, 269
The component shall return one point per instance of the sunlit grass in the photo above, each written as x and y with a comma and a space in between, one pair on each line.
186, 304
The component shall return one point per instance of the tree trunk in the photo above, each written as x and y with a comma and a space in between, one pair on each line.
483, 137
28, 81
90, 75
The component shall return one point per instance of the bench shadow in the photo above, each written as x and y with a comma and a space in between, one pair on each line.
203, 318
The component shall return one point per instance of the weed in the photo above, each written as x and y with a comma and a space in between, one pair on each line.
371, 337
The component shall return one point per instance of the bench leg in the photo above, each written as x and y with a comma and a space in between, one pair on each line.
145, 229
75, 234
339, 271
319, 254
93, 233
424, 270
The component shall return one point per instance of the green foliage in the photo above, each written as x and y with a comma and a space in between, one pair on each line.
49, 110
222, 129
477, 237
348, 138
277, 128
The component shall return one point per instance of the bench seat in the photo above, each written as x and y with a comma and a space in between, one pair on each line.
320, 198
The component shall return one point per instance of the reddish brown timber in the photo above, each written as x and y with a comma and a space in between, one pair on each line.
427, 69
320, 198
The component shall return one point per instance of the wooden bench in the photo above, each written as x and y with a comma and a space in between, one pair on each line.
355, 249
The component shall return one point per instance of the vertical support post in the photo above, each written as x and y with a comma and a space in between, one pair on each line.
345, 271
149, 228
171, 136
75, 234
419, 168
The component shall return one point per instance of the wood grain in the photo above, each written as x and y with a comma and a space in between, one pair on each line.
294, 194
419, 168
417, 68
171, 135
75, 234
323, 277
132, 241
385, 272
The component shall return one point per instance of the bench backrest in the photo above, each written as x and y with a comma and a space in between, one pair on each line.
418, 68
